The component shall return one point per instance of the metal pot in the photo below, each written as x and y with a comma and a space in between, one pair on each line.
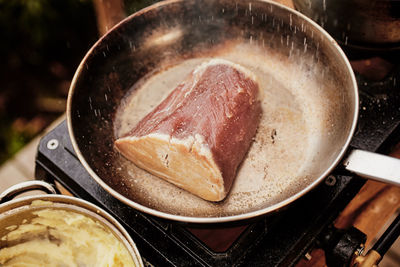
366, 24
310, 107
14, 212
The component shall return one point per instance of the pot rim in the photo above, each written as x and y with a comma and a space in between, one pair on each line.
91, 210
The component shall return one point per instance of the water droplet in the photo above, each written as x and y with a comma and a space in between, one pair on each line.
90, 102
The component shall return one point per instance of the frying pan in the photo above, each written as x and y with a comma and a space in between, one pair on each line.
310, 102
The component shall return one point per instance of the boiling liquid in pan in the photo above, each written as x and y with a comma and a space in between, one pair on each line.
278, 162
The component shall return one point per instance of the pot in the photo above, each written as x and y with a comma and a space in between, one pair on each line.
310, 102
362, 24
21, 219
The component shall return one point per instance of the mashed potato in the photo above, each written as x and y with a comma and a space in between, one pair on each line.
59, 237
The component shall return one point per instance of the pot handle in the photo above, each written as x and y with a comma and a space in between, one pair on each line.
374, 166
20, 188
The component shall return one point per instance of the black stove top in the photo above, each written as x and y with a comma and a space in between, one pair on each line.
280, 239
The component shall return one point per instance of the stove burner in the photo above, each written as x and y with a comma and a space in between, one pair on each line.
279, 239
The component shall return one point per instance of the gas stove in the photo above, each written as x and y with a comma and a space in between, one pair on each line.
280, 239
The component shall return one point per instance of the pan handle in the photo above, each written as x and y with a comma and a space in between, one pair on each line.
20, 188
374, 166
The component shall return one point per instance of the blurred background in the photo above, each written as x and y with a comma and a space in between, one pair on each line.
43, 42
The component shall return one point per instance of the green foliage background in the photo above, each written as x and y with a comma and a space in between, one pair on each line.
42, 42
41, 45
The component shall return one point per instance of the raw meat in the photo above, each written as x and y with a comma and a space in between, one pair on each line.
197, 137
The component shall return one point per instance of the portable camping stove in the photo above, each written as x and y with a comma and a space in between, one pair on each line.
280, 239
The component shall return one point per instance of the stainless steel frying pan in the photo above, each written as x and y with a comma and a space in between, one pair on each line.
310, 102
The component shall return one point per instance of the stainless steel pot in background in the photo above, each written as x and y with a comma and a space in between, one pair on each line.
364, 24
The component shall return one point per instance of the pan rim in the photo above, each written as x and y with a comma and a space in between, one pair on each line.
222, 219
